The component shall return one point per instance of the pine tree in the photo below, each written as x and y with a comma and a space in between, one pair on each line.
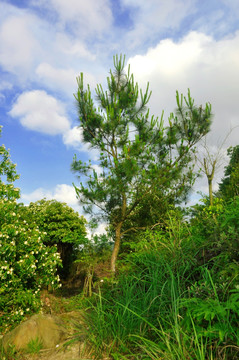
139, 157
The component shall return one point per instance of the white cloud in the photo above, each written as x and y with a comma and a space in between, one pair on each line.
169, 59
233, 6
97, 168
62, 192
37, 50
73, 47
208, 67
83, 17
17, 44
88, 16
66, 193
40, 112
5, 85
152, 17
36, 195
73, 137
57, 78
101, 229
62, 80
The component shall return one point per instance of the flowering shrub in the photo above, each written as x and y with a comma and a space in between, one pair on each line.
63, 226
26, 264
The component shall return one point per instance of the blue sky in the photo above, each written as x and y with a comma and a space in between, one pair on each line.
45, 44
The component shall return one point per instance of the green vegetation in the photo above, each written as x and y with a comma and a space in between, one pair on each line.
63, 227
34, 346
175, 294
144, 164
26, 264
229, 186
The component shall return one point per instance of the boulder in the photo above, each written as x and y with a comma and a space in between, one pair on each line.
46, 329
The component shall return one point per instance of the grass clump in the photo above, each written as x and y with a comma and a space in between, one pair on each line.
177, 300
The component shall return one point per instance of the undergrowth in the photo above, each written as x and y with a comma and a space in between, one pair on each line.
177, 298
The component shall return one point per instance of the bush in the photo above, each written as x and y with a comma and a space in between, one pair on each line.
173, 301
26, 264
63, 227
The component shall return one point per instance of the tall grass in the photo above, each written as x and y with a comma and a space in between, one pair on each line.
158, 315
167, 306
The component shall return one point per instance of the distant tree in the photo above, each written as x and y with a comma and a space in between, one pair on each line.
62, 226
210, 161
141, 161
229, 187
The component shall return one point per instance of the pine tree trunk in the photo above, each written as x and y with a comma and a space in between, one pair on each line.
116, 247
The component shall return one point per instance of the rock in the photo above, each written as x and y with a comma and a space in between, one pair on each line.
46, 329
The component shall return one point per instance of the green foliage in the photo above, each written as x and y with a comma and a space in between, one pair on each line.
10, 353
229, 187
213, 309
96, 251
34, 346
62, 226
26, 264
140, 159
215, 229
178, 295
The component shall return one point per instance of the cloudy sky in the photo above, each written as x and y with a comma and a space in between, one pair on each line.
45, 44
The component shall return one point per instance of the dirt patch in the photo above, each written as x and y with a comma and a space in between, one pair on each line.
54, 334
64, 309
71, 352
